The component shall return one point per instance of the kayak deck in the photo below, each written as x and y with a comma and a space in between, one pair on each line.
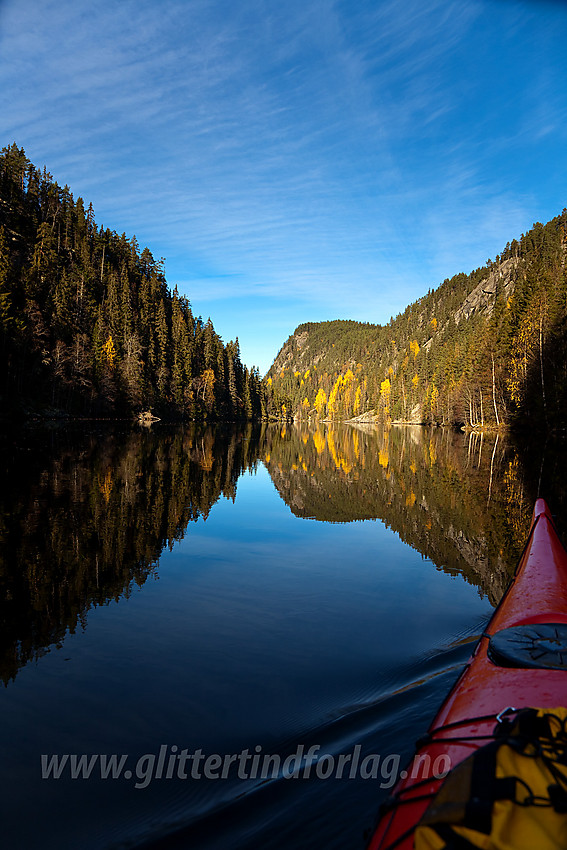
537, 594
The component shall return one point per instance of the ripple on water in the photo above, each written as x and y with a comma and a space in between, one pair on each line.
384, 721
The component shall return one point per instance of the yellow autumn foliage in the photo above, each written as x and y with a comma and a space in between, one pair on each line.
355, 444
356, 406
333, 449
434, 398
109, 351
432, 453
319, 441
106, 486
333, 404
320, 402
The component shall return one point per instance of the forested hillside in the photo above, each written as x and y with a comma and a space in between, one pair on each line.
486, 348
88, 325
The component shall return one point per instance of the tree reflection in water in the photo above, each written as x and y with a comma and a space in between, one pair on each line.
84, 517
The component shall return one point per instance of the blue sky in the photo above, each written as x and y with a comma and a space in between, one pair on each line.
296, 161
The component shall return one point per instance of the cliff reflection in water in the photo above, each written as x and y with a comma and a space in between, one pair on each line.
84, 518
458, 499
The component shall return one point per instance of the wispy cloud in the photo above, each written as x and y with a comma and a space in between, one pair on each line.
310, 152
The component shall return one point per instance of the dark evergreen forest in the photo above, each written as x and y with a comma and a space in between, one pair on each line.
88, 324
89, 327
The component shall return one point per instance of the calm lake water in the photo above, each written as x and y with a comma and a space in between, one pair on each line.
218, 608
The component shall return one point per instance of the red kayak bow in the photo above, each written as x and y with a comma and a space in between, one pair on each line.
520, 661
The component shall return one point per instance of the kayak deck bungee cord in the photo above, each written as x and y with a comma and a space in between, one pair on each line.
492, 770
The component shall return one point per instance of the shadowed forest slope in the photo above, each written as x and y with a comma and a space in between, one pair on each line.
88, 325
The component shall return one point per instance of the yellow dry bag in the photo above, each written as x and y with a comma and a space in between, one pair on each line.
511, 794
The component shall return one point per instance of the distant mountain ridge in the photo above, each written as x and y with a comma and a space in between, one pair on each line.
485, 349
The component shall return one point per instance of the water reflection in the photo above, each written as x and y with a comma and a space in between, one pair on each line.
458, 499
85, 516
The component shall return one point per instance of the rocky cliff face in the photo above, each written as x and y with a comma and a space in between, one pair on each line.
484, 349
293, 352
483, 297
303, 349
